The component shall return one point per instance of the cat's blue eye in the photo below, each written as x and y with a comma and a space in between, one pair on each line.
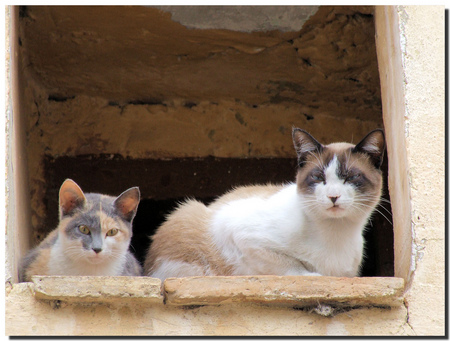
317, 177
84, 229
353, 177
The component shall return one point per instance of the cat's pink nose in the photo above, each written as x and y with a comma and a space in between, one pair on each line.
333, 199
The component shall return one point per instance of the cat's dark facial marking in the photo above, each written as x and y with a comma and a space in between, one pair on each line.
316, 176
340, 174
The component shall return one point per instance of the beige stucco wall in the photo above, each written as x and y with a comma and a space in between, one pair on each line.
413, 111
421, 31
422, 34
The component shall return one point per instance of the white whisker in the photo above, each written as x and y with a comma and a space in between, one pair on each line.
374, 209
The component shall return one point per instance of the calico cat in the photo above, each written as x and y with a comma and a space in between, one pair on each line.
311, 227
92, 237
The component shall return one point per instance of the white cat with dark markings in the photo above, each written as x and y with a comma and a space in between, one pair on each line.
312, 227
92, 238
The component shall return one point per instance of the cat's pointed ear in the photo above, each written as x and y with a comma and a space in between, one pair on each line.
304, 144
127, 203
373, 145
71, 197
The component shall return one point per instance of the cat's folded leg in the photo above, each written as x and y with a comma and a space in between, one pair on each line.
299, 268
269, 262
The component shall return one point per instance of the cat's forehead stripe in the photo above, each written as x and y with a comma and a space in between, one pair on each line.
103, 203
331, 159
343, 156
106, 222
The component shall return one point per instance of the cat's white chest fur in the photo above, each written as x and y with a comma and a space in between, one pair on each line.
276, 235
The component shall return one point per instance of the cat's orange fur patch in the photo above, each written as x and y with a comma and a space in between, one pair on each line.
107, 223
188, 226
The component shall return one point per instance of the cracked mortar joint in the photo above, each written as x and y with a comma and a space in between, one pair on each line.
406, 305
414, 257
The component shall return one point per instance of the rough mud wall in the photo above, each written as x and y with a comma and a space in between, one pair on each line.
138, 54
131, 81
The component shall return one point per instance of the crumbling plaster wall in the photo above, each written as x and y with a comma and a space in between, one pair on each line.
134, 82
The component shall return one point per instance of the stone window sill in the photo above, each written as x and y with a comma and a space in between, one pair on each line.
289, 291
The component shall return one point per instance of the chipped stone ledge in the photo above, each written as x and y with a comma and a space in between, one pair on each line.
97, 289
292, 291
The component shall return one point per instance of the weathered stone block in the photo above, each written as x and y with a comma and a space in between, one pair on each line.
296, 291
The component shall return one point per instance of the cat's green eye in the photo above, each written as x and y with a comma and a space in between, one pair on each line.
84, 229
112, 232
